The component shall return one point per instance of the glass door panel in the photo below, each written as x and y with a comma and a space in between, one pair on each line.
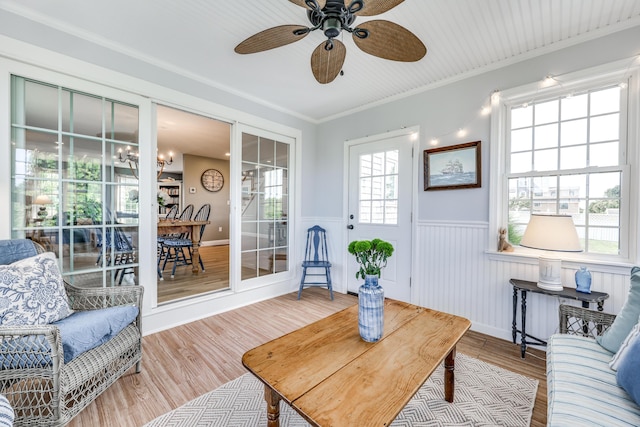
265, 206
66, 182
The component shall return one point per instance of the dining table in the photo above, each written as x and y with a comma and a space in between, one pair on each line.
176, 226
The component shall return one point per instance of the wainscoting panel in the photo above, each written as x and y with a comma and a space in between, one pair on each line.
457, 271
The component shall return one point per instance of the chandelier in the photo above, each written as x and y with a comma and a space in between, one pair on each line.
133, 158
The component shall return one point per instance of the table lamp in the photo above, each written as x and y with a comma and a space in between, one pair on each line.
42, 200
551, 233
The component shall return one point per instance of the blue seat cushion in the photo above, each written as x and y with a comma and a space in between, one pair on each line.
80, 332
84, 330
15, 250
177, 242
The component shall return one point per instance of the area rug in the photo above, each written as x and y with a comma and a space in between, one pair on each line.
485, 395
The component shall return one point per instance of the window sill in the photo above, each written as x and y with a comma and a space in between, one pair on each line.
526, 256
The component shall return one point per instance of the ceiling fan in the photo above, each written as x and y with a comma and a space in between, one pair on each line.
379, 37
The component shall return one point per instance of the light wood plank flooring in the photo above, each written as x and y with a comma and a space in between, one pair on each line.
185, 284
184, 362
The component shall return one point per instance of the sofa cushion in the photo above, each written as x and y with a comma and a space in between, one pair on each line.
32, 292
6, 412
612, 338
84, 330
581, 388
625, 346
12, 250
628, 375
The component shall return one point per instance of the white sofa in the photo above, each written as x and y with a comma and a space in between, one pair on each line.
581, 387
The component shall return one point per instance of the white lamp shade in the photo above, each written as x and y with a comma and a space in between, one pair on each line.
42, 199
551, 233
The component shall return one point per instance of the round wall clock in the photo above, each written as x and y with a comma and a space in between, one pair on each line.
212, 180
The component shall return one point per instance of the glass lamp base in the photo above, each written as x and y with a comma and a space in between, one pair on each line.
550, 273
550, 286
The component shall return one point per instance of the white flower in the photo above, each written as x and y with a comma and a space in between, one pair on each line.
163, 198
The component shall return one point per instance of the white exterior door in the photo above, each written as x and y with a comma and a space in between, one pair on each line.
380, 206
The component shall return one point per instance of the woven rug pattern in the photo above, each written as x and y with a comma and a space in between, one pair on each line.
485, 395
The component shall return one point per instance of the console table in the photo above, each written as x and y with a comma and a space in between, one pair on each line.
525, 286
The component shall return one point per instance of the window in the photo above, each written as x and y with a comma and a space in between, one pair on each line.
565, 151
378, 183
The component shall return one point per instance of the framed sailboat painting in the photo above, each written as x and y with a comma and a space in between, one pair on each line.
453, 167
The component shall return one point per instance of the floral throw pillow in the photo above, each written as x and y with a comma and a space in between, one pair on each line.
32, 292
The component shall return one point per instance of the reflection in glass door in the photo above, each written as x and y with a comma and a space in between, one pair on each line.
265, 206
70, 192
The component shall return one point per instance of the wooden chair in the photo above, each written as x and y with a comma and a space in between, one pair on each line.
316, 258
185, 215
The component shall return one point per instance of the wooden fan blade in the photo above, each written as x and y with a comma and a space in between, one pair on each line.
376, 7
326, 64
270, 39
390, 41
301, 3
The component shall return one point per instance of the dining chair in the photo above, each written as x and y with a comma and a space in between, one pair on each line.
316, 257
174, 249
162, 255
173, 212
117, 249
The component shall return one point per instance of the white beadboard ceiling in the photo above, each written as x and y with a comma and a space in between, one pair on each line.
197, 37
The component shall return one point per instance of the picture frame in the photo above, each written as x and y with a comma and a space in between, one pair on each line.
453, 167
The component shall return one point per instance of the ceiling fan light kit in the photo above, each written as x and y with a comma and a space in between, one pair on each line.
380, 38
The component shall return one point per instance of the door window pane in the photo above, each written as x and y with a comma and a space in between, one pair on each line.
378, 188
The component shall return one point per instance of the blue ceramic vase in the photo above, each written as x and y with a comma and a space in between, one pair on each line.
371, 309
583, 280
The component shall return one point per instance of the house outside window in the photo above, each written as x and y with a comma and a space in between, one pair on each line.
567, 149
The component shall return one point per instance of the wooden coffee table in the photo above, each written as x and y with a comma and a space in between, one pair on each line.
331, 377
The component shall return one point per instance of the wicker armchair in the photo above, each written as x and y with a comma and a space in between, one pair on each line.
44, 390
583, 321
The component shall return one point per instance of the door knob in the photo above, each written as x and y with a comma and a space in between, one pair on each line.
350, 226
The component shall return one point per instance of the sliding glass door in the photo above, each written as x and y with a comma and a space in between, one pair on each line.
82, 179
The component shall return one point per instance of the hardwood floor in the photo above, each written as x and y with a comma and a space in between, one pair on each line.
185, 284
187, 361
